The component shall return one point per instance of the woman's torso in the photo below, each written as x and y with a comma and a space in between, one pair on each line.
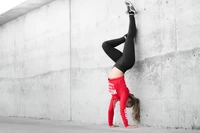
117, 87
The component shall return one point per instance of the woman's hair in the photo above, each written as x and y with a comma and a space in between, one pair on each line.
135, 103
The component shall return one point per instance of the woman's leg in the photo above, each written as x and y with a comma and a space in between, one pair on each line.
127, 60
110, 50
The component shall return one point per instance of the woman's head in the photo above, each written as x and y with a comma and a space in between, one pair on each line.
135, 103
130, 101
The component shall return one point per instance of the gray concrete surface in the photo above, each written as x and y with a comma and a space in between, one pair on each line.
52, 65
22, 9
27, 125
35, 64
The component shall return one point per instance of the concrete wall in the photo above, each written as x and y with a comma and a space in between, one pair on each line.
167, 71
35, 65
46, 72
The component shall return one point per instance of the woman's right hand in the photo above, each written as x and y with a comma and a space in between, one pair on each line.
114, 126
132, 126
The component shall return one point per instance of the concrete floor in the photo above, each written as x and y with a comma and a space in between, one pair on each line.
27, 125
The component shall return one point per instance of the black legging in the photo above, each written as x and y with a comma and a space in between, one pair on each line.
125, 60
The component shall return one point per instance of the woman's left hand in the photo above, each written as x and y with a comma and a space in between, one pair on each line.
132, 126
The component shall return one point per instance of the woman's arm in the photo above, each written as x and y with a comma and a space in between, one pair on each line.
123, 113
111, 112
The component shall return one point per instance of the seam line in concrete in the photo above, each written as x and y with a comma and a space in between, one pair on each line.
70, 65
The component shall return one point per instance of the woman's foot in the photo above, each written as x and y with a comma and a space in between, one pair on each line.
130, 7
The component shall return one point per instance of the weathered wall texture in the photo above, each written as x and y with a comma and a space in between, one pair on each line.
166, 74
46, 71
35, 65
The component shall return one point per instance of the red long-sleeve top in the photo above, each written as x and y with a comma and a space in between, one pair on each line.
119, 92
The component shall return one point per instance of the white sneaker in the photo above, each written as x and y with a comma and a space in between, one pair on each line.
130, 7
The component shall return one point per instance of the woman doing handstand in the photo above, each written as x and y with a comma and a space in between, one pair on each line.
123, 62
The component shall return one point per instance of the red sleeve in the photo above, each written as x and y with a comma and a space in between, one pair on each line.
123, 100
111, 111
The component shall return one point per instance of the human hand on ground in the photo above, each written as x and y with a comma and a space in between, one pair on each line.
132, 126
114, 126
